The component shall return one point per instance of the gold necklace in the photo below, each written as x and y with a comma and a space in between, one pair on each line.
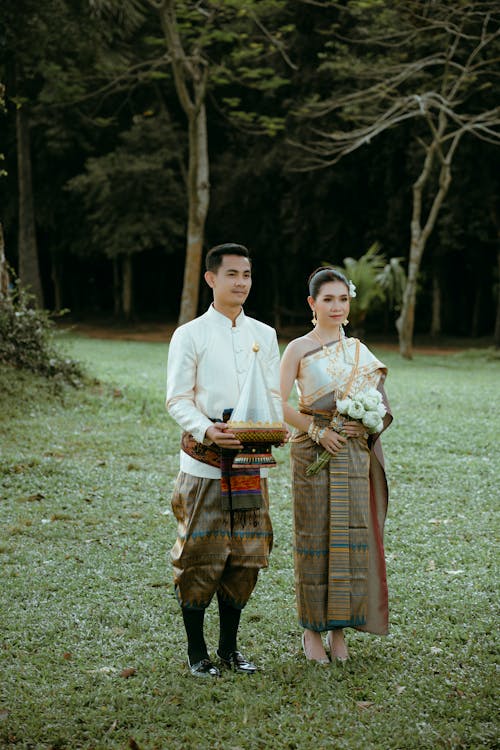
323, 346
332, 366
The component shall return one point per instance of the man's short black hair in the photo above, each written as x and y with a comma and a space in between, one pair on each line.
213, 260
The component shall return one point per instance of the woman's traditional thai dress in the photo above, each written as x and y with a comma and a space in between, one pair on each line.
339, 513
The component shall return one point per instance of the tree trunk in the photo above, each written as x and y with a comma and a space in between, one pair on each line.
29, 272
190, 78
4, 274
55, 275
117, 288
127, 287
406, 321
436, 306
419, 235
476, 310
497, 322
198, 200
277, 321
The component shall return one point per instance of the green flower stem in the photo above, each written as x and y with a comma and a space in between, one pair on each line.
318, 464
324, 457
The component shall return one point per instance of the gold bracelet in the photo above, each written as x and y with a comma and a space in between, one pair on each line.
316, 432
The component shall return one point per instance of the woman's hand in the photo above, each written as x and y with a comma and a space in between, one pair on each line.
354, 429
332, 441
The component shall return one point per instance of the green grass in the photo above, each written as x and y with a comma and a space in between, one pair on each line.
86, 478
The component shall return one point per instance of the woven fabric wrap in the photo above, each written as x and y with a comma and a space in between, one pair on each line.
240, 486
216, 550
339, 513
331, 538
207, 454
348, 558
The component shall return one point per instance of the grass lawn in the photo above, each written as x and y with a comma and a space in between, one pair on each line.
92, 646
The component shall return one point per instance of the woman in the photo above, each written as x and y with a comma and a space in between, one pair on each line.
339, 511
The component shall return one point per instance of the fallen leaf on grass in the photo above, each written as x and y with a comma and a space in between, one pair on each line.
31, 498
67, 655
436, 650
400, 689
61, 517
456, 691
365, 704
128, 672
133, 744
19, 468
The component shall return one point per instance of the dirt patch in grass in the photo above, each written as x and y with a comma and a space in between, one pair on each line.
152, 332
162, 333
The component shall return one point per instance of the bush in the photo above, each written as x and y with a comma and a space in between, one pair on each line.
27, 340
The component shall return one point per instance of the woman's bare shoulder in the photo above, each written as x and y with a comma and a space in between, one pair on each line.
301, 346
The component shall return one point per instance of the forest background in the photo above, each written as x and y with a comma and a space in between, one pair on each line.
137, 134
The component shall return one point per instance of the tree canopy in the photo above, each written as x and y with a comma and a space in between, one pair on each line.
396, 103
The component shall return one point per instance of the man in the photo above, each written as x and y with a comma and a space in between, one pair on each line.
220, 545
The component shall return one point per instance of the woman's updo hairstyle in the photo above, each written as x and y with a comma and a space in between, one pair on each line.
323, 275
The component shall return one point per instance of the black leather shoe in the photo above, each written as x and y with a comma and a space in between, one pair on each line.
203, 668
237, 662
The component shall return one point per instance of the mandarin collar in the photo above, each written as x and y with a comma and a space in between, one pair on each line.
223, 320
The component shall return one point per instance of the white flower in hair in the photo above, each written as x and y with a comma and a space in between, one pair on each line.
352, 289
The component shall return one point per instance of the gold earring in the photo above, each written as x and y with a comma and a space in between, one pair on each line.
314, 319
345, 322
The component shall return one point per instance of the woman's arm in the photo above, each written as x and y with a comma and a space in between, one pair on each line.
330, 440
288, 372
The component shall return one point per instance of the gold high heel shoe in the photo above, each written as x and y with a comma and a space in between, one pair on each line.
338, 650
321, 660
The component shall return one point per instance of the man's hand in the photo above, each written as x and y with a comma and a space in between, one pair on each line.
220, 434
288, 434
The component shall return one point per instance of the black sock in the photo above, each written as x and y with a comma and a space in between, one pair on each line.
193, 622
229, 623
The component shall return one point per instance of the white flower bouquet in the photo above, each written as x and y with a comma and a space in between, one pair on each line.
365, 407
